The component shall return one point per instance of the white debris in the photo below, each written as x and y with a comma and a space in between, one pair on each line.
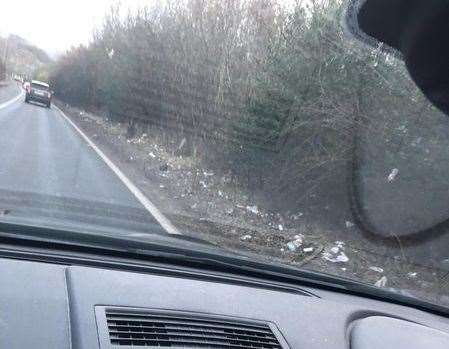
246, 237
152, 154
412, 275
376, 269
253, 209
203, 183
162, 186
344, 269
340, 244
349, 224
299, 237
208, 174
297, 216
392, 176
382, 282
335, 249
307, 249
111, 53
339, 257
293, 245
280, 227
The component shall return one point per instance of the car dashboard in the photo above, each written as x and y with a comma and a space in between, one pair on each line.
45, 305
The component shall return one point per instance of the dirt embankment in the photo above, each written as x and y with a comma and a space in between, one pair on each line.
212, 206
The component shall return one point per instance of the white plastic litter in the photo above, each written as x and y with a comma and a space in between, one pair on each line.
392, 176
376, 269
280, 227
412, 275
335, 257
246, 237
253, 209
307, 249
335, 249
152, 154
382, 282
349, 224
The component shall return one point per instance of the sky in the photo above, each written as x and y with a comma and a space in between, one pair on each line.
56, 25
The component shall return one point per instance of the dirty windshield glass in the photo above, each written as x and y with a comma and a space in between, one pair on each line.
260, 126
39, 87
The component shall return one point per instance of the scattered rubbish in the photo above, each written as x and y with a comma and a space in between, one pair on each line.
335, 255
194, 206
246, 237
162, 186
297, 216
282, 250
230, 211
220, 193
203, 183
376, 269
208, 174
280, 227
412, 275
307, 249
152, 154
392, 176
111, 53
299, 237
382, 282
340, 244
335, 249
349, 224
294, 245
253, 209
344, 269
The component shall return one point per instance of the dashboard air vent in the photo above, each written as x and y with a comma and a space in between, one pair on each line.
178, 330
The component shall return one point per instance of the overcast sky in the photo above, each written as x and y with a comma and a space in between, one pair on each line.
56, 25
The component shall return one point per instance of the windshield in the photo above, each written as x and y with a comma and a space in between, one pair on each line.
39, 87
260, 126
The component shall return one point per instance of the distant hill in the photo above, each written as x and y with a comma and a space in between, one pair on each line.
23, 57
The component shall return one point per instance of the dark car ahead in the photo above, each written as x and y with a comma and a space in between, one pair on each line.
38, 91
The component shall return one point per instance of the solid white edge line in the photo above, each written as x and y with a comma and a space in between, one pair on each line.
11, 101
156, 213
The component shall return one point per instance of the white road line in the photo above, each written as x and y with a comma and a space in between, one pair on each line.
157, 214
11, 101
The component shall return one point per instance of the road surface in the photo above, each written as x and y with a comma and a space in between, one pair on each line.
48, 171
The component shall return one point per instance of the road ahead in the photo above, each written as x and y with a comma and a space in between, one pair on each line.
42, 156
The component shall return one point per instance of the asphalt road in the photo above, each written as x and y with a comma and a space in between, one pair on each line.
48, 170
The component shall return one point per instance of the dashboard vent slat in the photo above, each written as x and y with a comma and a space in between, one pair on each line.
153, 330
